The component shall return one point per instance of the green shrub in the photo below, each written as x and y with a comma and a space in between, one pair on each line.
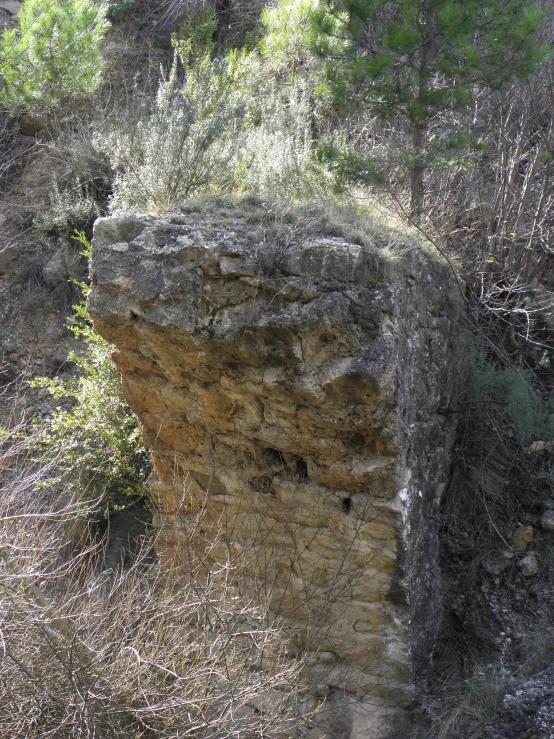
99, 452
289, 114
493, 483
510, 393
216, 125
278, 158
53, 55
288, 31
54, 225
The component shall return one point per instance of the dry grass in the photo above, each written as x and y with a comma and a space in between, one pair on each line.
124, 652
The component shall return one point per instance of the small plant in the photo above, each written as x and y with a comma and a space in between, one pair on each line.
511, 392
491, 484
53, 55
122, 8
288, 34
471, 705
97, 443
278, 158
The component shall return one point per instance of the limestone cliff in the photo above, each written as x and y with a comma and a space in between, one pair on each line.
295, 387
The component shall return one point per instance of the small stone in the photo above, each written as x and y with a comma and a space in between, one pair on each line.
547, 520
9, 346
529, 565
537, 447
27, 141
55, 271
521, 538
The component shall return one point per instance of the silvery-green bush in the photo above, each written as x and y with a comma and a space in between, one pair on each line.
186, 142
279, 154
216, 124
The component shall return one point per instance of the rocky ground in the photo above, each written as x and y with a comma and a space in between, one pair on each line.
527, 712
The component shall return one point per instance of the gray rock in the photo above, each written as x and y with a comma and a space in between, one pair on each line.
55, 271
527, 712
10, 346
529, 565
32, 124
11, 6
27, 141
547, 520
497, 564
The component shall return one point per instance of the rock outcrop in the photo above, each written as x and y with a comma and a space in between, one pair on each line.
295, 388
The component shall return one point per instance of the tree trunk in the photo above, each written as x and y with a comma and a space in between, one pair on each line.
421, 123
417, 195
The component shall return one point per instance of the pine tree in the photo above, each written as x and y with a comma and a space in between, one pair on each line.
53, 55
415, 60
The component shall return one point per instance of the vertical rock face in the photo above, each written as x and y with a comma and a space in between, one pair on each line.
295, 388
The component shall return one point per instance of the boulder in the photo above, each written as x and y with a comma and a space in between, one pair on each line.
295, 391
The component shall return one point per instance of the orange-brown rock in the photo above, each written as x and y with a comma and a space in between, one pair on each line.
296, 390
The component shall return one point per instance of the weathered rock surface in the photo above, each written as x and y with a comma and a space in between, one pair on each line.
529, 565
295, 388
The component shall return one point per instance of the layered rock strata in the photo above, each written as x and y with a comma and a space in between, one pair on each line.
295, 390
